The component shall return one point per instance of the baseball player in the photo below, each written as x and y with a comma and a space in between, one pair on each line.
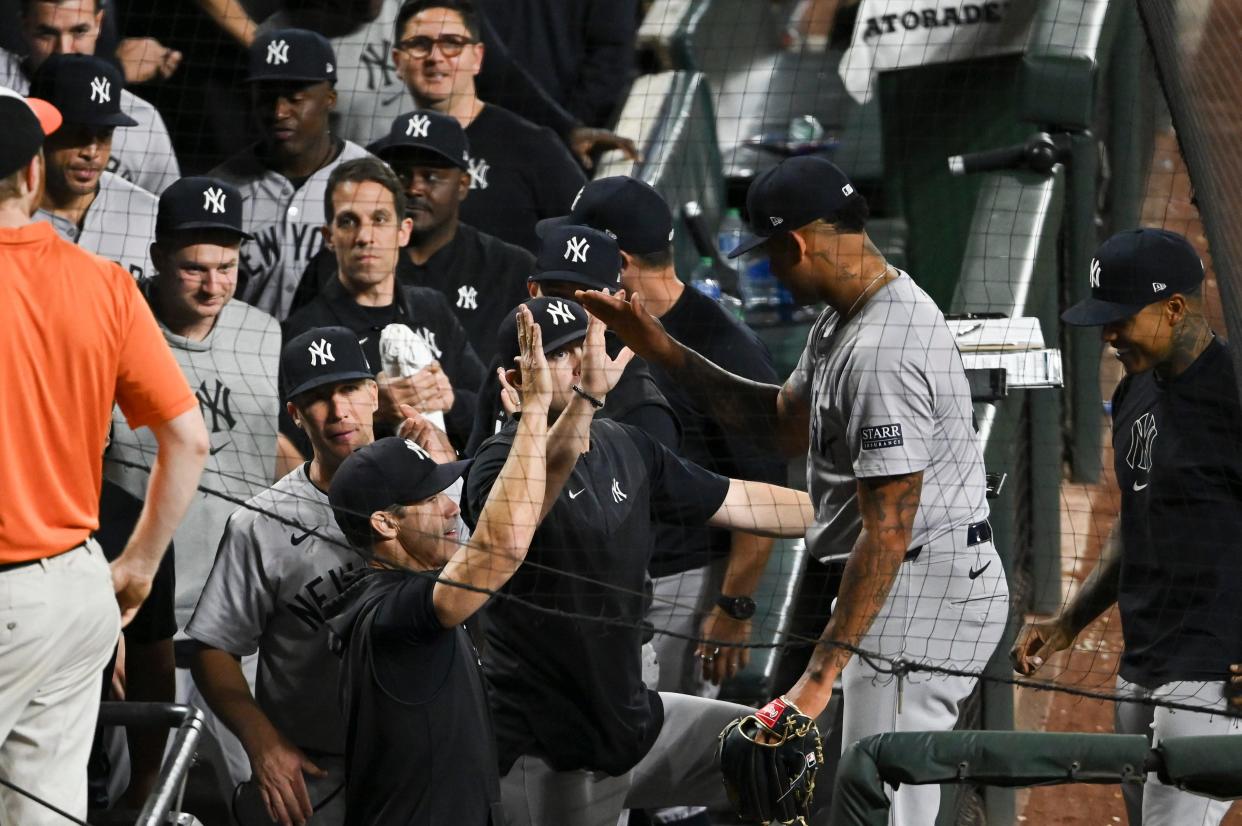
580, 736
366, 232
141, 154
87, 204
79, 338
420, 747
1170, 564
880, 405
519, 172
229, 353
694, 595
280, 559
282, 178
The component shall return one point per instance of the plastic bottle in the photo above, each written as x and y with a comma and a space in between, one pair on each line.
729, 236
760, 290
704, 279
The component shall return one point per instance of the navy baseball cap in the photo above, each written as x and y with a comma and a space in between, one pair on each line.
321, 355
86, 89
791, 195
1133, 269
387, 472
579, 255
560, 321
429, 132
292, 54
200, 203
27, 121
628, 209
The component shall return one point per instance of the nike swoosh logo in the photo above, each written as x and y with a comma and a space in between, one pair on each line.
575, 494
975, 574
1137, 486
298, 540
213, 451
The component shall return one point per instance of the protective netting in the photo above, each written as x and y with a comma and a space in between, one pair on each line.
997, 145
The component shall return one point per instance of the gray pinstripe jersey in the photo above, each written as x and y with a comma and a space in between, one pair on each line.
141, 154
233, 374
119, 225
286, 224
280, 559
888, 397
369, 93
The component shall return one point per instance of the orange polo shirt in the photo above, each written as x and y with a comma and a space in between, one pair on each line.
75, 336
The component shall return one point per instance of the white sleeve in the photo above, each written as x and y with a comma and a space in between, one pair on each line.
891, 411
238, 599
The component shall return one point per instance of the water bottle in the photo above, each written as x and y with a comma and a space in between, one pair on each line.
704, 279
729, 237
760, 290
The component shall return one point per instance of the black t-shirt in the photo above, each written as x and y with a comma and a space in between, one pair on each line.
564, 638
118, 514
422, 310
480, 276
419, 749
520, 173
705, 327
1177, 452
636, 400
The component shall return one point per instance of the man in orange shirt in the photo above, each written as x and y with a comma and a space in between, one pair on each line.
76, 336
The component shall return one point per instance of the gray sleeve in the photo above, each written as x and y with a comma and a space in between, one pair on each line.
237, 600
891, 411
799, 381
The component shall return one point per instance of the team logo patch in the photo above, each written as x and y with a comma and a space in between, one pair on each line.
1095, 273
213, 200
1157, 286
576, 250
277, 53
881, 436
101, 90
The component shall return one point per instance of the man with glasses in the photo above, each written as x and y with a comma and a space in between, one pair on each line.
282, 178
520, 173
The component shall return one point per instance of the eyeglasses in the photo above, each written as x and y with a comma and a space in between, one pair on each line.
421, 46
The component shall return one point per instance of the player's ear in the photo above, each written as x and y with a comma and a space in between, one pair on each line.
463, 185
384, 523
326, 231
292, 410
479, 54
403, 234
532, 287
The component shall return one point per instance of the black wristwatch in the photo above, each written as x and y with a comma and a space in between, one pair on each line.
740, 608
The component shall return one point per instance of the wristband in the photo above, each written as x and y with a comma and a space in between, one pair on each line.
596, 403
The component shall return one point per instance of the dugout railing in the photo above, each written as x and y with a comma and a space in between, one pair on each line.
163, 805
1205, 765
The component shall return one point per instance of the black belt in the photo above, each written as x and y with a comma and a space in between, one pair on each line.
975, 534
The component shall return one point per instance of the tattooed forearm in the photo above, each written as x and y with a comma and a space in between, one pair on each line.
737, 404
888, 507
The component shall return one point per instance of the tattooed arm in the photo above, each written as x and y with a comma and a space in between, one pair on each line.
888, 505
776, 418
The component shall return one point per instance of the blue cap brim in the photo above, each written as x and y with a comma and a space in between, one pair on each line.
748, 244
331, 378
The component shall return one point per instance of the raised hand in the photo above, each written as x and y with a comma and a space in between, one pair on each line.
429, 437
640, 330
600, 373
536, 388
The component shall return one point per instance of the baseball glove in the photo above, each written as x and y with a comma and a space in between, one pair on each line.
769, 761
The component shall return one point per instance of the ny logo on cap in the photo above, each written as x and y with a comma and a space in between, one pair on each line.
559, 312
576, 250
577, 198
1095, 273
213, 200
101, 90
776, 221
418, 126
277, 52
329, 69
417, 448
321, 352
1157, 286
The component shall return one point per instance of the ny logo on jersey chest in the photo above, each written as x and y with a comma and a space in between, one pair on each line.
467, 298
478, 172
1142, 438
216, 401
